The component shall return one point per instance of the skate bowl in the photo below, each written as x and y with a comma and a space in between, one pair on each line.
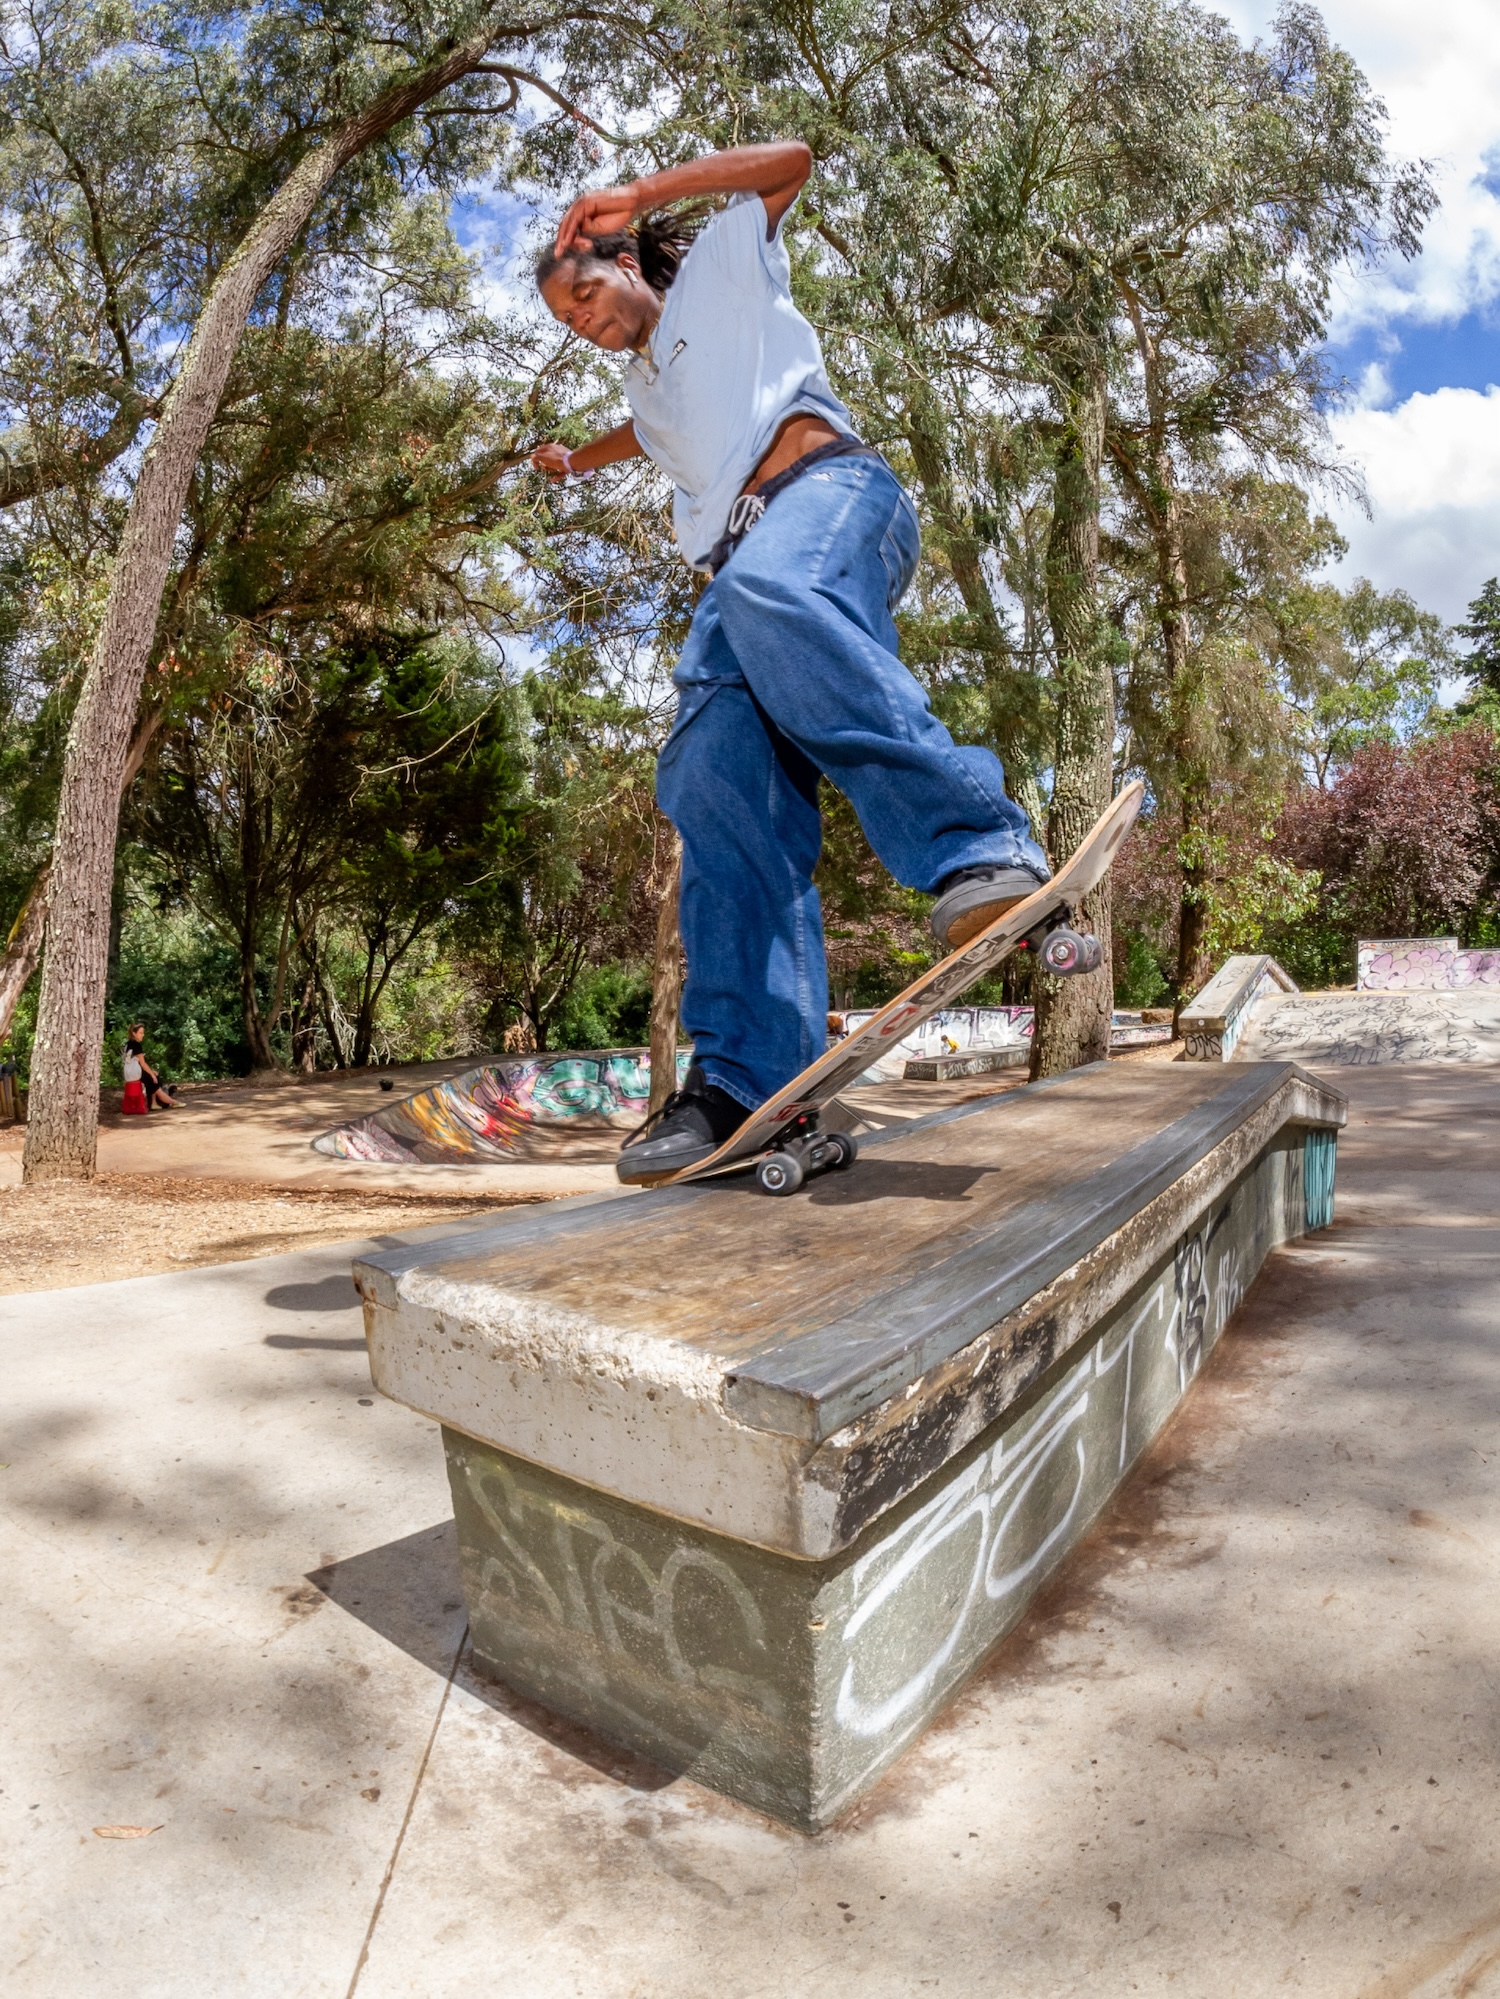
509, 1109
752, 1486
1252, 1011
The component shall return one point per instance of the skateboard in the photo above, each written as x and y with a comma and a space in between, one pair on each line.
785, 1134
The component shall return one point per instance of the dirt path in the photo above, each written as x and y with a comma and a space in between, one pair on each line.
232, 1174
125, 1225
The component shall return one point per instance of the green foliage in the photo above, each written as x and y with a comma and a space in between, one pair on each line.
175, 974
1318, 952
182, 980
1141, 982
408, 698
1481, 658
1361, 666
609, 1006
1247, 893
428, 1009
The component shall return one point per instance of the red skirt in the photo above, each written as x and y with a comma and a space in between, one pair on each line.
135, 1100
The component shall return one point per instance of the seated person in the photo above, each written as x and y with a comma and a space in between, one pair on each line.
158, 1094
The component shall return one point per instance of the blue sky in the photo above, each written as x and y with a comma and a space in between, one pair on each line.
1420, 342
1414, 359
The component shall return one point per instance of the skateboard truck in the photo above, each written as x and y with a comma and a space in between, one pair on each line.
802, 1149
1064, 951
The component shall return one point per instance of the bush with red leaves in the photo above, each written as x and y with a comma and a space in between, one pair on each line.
1407, 839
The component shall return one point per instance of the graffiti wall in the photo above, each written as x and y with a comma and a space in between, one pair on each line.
957, 1029
1424, 964
487, 1113
952, 1031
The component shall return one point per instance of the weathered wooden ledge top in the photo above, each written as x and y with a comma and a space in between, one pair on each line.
799, 1316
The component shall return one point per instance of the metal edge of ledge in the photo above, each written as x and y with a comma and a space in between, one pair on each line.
815, 1385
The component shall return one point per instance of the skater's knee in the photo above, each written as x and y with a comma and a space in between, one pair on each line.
691, 775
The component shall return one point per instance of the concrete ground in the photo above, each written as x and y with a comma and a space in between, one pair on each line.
1248, 1743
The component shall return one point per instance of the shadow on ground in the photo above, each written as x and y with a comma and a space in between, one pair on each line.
335, 1293
410, 1593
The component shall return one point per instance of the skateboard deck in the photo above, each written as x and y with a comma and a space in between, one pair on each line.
941, 986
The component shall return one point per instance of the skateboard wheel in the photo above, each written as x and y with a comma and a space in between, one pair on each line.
1067, 953
779, 1173
842, 1151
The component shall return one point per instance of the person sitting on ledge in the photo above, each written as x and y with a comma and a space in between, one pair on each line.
790, 670
158, 1094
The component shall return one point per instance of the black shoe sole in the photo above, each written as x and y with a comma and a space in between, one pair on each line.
631, 1167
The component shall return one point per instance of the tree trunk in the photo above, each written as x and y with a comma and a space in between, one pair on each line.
364, 1023
305, 1027
62, 1137
1073, 1015
1156, 491
256, 1035
666, 982
1192, 923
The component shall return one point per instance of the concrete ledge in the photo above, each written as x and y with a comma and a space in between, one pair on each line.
791, 1684
752, 1485
968, 1062
1213, 1022
729, 1359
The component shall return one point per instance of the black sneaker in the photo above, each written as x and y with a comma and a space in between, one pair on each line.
693, 1123
970, 899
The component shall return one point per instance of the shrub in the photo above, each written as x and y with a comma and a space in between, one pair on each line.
1405, 840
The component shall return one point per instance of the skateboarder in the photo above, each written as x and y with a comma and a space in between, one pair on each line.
790, 668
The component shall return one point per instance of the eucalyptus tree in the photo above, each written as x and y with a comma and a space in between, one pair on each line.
1081, 252
98, 180
1150, 216
1368, 669
304, 121
1249, 177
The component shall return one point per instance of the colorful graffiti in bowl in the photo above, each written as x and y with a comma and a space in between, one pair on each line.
487, 1112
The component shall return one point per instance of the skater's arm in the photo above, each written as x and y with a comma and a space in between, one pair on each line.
557, 461
776, 173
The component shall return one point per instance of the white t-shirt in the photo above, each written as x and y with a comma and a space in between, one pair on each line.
730, 359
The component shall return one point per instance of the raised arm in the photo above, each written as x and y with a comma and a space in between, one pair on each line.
557, 461
776, 173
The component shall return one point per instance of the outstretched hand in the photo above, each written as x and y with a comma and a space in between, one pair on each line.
554, 459
598, 213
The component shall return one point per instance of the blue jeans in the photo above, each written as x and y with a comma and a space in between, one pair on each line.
789, 670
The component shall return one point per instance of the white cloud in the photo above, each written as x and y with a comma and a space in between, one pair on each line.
1438, 69
1374, 391
1432, 463
1432, 468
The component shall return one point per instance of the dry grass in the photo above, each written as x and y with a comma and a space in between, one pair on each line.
127, 1224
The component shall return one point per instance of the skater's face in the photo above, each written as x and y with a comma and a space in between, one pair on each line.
605, 301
